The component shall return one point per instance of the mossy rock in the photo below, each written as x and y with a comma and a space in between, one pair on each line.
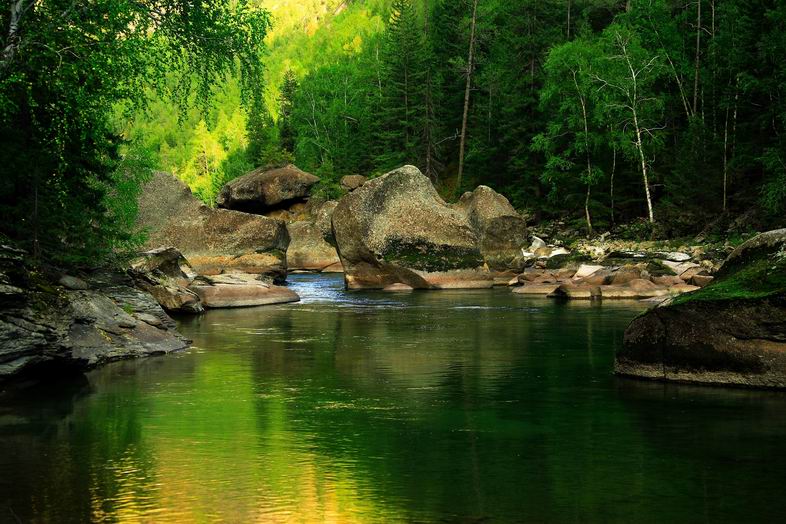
424, 256
732, 332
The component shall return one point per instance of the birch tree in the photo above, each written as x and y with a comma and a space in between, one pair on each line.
626, 75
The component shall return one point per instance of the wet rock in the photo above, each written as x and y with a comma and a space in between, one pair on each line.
577, 292
398, 286
165, 274
263, 189
537, 289
396, 229
731, 332
74, 330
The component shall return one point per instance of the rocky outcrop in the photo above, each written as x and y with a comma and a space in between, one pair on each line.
213, 240
308, 249
312, 245
264, 190
731, 332
55, 329
239, 290
397, 229
165, 274
501, 231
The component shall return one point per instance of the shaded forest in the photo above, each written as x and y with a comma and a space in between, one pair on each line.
652, 117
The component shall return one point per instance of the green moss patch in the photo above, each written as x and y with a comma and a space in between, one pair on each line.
425, 256
760, 278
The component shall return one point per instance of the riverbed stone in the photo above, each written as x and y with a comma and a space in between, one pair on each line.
239, 290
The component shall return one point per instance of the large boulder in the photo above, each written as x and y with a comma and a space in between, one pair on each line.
240, 290
56, 329
502, 232
731, 332
264, 190
397, 229
308, 249
213, 240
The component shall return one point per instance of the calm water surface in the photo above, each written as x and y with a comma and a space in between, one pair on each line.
465, 406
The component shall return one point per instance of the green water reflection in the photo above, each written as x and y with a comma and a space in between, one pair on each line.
477, 406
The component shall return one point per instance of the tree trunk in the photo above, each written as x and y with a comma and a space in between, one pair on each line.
611, 189
467, 89
18, 7
643, 160
583, 104
697, 65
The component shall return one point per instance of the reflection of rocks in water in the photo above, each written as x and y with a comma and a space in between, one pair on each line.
40, 404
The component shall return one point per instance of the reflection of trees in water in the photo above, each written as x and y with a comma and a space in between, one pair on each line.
422, 409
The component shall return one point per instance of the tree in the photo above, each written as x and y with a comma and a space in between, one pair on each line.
627, 75
467, 91
402, 107
286, 128
64, 66
571, 138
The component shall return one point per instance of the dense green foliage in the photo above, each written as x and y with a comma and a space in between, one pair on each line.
66, 190
602, 111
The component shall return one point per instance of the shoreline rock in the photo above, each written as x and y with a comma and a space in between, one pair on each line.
731, 332
46, 329
239, 290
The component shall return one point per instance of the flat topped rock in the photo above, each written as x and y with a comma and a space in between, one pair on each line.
264, 189
240, 290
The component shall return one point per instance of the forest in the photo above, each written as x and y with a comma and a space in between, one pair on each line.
653, 118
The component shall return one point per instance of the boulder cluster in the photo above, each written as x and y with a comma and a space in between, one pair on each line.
657, 280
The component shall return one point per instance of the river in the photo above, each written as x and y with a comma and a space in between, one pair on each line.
451, 406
